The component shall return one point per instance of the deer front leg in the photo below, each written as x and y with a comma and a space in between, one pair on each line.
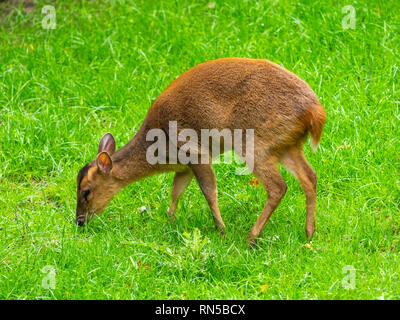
208, 185
181, 181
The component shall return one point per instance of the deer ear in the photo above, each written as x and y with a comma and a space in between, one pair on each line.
107, 144
104, 162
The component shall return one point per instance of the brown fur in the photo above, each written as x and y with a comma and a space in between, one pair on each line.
232, 93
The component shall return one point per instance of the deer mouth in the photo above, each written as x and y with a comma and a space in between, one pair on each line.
81, 220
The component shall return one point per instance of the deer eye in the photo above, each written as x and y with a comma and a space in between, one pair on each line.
86, 193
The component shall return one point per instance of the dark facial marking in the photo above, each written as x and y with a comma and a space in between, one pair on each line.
83, 173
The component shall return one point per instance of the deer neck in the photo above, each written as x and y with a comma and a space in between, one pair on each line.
129, 162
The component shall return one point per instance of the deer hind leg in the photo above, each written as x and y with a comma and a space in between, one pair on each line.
206, 178
181, 181
269, 175
297, 164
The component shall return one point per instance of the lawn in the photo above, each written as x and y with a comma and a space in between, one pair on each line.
99, 71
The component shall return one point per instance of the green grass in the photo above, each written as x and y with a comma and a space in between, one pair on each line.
100, 70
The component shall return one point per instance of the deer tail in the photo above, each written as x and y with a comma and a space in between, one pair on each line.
315, 124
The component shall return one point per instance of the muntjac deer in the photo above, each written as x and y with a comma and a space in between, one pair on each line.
229, 93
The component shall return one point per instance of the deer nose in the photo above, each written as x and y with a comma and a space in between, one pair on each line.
80, 221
